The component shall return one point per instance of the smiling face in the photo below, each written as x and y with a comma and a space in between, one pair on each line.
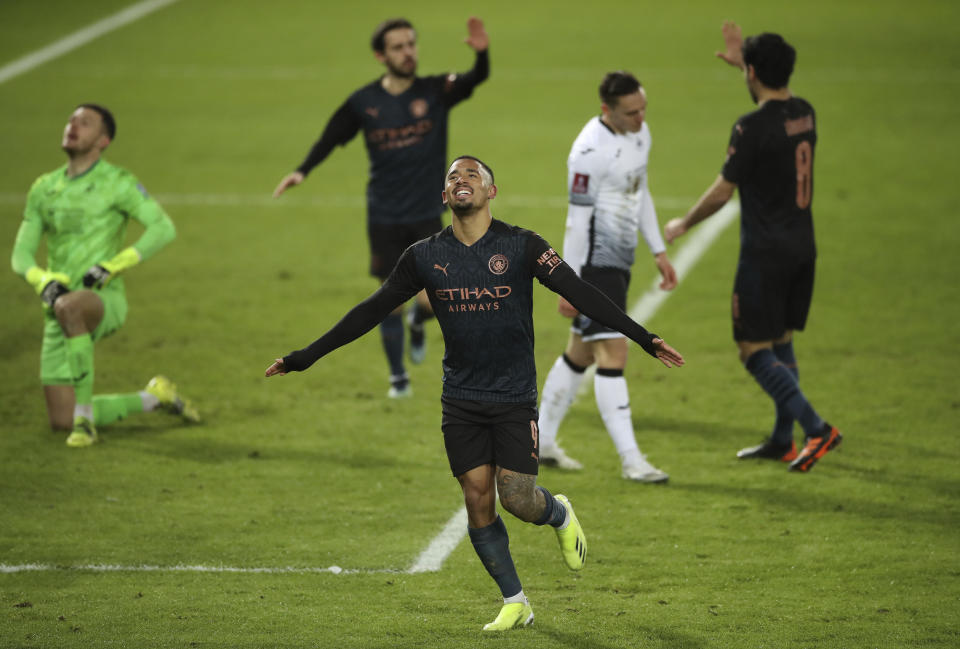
468, 188
84, 133
399, 52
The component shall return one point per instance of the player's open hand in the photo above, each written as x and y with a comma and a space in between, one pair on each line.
477, 36
667, 354
276, 369
674, 228
667, 273
291, 179
733, 42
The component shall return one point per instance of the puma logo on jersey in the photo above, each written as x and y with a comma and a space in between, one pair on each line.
443, 268
587, 150
372, 111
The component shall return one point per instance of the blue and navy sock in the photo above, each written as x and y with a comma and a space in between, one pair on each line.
783, 428
493, 547
554, 513
778, 381
391, 333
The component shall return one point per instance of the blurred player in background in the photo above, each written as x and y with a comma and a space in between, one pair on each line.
83, 209
609, 202
404, 122
770, 160
479, 275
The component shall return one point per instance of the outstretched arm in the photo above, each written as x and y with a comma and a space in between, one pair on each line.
341, 128
400, 286
358, 321
712, 200
587, 299
733, 44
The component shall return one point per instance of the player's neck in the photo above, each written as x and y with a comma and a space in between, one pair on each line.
79, 164
396, 85
470, 228
765, 94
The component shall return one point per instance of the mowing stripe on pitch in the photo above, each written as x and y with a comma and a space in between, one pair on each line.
432, 558
110, 567
80, 38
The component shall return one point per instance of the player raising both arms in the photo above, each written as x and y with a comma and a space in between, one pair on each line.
404, 121
478, 274
770, 160
83, 209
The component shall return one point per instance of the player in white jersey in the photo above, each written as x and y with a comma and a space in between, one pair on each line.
609, 203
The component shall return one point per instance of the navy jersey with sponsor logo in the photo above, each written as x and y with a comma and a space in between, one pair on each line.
482, 296
406, 140
770, 158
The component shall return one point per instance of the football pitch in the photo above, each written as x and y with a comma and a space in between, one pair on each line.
311, 511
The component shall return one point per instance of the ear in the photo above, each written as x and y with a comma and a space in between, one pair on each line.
103, 141
379, 56
443, 195
751, 73
605, 110
492, 193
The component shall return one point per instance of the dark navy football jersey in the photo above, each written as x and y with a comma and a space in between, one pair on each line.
406, 140
770, 158
482, 296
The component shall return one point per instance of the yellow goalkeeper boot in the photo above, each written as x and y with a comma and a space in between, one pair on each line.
84, 433
512, 616
573, 542
165, 391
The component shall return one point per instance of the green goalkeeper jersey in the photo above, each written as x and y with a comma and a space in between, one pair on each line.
85, 221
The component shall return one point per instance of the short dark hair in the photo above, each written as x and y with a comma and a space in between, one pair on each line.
377, 40
109, 124
772, 58
617, 84
483, 164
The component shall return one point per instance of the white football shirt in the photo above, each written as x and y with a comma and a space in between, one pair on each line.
607, 177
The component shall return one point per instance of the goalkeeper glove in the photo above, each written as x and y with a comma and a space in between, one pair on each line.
99, 275
48, 284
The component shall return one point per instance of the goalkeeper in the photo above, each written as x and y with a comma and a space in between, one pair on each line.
83, 209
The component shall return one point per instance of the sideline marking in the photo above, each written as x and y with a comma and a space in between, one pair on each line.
80, 37
110, 567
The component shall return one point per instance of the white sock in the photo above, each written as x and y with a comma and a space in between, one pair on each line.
558, 392
85, 410
613, 401
149, 401
519, 598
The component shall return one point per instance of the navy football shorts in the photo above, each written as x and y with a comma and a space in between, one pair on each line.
478, 432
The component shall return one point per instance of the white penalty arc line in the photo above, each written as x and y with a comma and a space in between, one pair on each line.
442, 545
80, 37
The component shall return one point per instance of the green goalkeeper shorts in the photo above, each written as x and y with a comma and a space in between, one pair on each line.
54, 365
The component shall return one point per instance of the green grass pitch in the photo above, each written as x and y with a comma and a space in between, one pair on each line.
217, 100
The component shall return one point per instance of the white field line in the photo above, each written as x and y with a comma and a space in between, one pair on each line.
358, 200
443, 545
80, 38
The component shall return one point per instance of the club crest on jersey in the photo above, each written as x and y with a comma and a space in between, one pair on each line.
580, 184
419, 107
498, 264
372, 111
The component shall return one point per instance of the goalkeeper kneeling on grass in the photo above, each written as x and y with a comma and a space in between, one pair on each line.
83, 209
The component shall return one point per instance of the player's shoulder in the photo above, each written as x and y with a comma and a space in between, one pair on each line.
365, 92
592, 142
48, 178
115, 174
